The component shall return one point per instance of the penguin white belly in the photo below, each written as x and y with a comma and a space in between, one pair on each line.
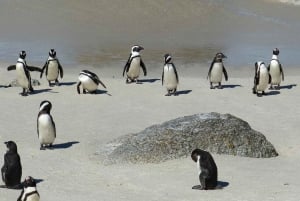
263, 80
134, 68
52, 71
88, 83
46, 129
216, 73
275, 72
33, 197
170, 80
21, 76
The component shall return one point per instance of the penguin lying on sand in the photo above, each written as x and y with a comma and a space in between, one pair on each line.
133, 65
89, 82
53, 68
23, 75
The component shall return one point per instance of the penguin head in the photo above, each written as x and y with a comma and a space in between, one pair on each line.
22, 54
52, 53
45, 106
195, 153
11, 146
136, 48
276, 51
29, 182
220, 56
168, 58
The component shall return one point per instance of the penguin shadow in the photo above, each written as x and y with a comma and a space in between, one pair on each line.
272, 93
4, 86
38, 91
148, 80
290, 86
64, 145
99, 91
231, 86
66, 83
221, 185
182, 92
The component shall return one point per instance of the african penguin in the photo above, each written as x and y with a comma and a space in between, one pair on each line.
53, 68
89, 82
133, 64
29, 192
23, 75
207, 169
169, 76
261, 79
275, 70
45, 125
12, 169
216, 70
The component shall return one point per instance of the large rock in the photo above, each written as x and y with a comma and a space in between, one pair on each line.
216, 133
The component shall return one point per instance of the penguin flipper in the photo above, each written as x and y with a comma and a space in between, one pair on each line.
282, 74
61, 72
42, 72
34, 68
176, 74
11, 67
53, 126
225, 73
78, 87
270, 78
210, 68
99, 81
143, 67
127, 65
162, 77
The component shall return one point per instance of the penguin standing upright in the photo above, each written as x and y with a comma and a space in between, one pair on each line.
23, 75
45, 125
133, 64
216, 70
89, 82
207, 169
169, 76
261, 79
29, 192
11, 171
53, 68
275, 70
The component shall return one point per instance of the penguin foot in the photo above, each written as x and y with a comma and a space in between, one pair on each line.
259, 94
220, 87
168, 94
211, 87
254, 91
42, 147
277, 87
128, 81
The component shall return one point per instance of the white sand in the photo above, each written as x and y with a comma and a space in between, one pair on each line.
74, 173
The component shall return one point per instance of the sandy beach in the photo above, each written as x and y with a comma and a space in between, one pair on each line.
84, 122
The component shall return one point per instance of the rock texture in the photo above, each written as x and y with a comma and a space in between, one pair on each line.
213, 132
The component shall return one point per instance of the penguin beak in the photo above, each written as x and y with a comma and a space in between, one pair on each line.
224, 56
141, 48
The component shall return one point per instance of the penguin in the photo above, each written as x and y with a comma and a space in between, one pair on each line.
89, 82
207, 169
261, 79
133, 64
12, 169
169, 76
53, 68
275, 70
23, 75
29, 192
45, 125
216, 69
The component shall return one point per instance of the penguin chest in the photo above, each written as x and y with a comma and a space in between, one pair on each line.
32, 197
216, 72
169, 78
275, 72
134, 68
263, 79
52, 70
22, 79
46, 129
88, 83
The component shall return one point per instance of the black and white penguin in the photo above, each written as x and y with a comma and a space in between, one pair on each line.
29, 192
45, 125
275, 70
207, 169
23, 75
12, 169
53, 68
262, 78
169, 76
89, 82
216, 70
133, 65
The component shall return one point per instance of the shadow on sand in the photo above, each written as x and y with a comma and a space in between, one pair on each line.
67, 83
64, 145
148, 80
231, 86
221, 185
183, 92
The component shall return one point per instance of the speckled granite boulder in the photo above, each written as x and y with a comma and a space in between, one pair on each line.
214, 132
